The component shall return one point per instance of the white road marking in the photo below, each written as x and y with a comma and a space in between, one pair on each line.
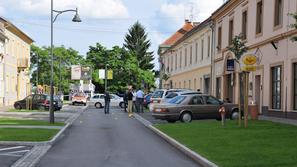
11, 155
11, 148
15, 152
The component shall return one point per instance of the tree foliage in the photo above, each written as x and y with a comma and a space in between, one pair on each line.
136, 42
124, 65
41, 65
238, 47
294, 15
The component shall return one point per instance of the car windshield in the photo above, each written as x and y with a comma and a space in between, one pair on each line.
158, 94
177, 100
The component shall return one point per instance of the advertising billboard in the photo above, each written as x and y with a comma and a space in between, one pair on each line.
75, 72
79, 72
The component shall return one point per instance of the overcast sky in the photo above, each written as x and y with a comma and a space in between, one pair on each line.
103, 21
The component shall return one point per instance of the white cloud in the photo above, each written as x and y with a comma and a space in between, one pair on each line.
201, 9
87, 8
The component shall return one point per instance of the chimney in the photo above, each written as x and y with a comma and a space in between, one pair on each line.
187, 21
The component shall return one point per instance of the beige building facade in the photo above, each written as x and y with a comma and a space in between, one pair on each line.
265, 26
188, 61
15, 64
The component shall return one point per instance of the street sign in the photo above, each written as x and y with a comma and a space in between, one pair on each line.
249, 68
75, 72
86, 73
249, 59
101, 74
109, 74
230, 65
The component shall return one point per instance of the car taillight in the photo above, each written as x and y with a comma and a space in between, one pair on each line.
161, 110
46, 102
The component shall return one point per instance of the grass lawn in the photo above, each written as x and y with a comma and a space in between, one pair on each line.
14, 134
19, 122
25, 110
262, 144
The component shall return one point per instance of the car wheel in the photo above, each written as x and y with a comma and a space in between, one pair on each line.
186, 117
98, 105
122, 105
234, 114
171, 121
18, 107
85, 104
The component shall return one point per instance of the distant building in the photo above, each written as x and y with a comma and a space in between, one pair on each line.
15, 80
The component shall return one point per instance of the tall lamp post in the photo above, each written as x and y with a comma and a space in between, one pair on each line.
75, 19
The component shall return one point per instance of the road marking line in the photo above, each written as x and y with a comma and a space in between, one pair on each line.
22, 151
11, 155
11, 148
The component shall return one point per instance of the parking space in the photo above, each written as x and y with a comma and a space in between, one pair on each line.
10, 154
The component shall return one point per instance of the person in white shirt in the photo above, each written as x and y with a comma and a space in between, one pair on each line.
139, 100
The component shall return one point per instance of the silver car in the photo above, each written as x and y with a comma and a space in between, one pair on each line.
191, 106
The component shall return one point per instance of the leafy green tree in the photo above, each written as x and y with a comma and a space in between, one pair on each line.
124, 65
294, 15
238, 47
64, 58
136, 42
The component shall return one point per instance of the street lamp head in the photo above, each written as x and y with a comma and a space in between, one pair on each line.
76, 17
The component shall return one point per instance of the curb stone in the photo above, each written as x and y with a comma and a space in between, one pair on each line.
193, 155
32, 158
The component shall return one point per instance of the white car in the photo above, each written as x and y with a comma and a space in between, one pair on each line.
98, 100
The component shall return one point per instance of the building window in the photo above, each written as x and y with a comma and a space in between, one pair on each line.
244, 25
179, 85
202, 49
231, 28
176, 61
186, 56
191, 54
180, 59
259, 23
195, 84
219, 47
295, 85
276, 73
196, 52
184, 84
218, 87
208, 46
278, 12
171, 66
190, 84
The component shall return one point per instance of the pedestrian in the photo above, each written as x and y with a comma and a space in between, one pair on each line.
139, 100
130, 102
107, 102
125, 99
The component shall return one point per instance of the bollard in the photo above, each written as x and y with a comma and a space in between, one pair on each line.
222, 111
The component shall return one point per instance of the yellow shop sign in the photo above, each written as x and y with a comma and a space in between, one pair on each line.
249, 59
249, 68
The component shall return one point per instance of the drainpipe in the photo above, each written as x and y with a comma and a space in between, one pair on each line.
212, 26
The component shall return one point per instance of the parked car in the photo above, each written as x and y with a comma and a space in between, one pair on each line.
36, 102
98, 100
79, 98
147, 100
59, 102
171, 95
191, 106
159, 96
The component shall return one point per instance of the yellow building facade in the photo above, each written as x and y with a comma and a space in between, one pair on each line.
15, 64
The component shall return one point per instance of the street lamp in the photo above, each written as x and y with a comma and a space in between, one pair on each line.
75, 19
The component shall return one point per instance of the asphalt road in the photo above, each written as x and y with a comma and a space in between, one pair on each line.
114, 140
10, 154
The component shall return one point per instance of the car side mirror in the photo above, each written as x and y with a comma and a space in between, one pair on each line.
221, 102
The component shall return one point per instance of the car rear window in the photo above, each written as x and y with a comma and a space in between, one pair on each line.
158, 94
177, 100
171, 95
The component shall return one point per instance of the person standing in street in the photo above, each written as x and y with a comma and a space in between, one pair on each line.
139, 100
125, 99
130, 102
107, 102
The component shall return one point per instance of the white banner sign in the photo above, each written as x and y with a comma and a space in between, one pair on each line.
75, 72
101, 74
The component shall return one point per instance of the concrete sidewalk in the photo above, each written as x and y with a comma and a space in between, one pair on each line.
279, 120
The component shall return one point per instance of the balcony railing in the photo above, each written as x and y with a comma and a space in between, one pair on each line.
23, 63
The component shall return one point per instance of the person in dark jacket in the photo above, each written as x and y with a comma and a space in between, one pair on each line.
130, 102
125, 98
107, 102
